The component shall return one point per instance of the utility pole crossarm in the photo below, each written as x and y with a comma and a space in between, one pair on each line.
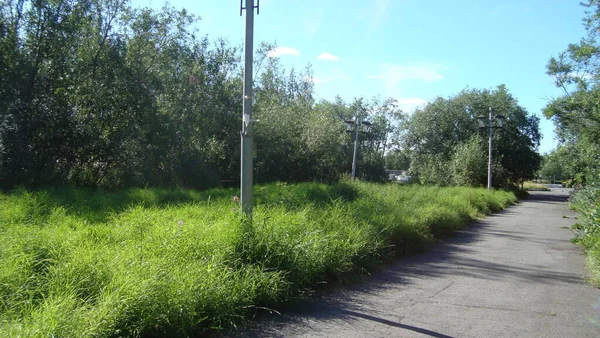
243, 8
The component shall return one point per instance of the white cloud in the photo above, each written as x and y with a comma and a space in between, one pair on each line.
328, 56
378, 77
279, 51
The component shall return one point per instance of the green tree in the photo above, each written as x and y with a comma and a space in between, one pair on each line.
325, 141
97, 93
283, 101
553, 168
397, 160
576, 114
433, 133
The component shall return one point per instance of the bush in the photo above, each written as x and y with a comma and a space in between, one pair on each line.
469, 163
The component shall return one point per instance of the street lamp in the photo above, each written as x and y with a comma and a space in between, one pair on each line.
490, 125
353, 126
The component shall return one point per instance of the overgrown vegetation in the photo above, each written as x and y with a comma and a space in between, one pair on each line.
587, 202
151, 262
97, 93
576, 116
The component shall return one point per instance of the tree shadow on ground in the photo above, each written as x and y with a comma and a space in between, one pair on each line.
548, 197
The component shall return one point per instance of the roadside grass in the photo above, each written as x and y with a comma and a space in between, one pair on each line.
532, 186
152, 262
587, 202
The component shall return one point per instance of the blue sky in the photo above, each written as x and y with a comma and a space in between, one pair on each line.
411, 50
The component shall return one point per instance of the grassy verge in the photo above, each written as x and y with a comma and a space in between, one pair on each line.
532, 186
149, 262
587, 203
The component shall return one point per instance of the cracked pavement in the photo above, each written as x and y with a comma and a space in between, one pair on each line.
512, 274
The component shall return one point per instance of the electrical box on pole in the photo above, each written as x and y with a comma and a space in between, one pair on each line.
246, 194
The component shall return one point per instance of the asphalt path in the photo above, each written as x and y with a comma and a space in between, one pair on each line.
512, 274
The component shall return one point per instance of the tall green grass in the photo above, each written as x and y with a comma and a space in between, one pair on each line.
587, 202
151, 262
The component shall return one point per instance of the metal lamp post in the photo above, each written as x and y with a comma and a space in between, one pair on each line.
353, 126
490, 125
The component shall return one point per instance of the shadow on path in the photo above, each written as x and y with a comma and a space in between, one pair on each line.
549, 196
394, 324
336, 313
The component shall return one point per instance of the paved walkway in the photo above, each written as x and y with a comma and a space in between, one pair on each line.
513, 274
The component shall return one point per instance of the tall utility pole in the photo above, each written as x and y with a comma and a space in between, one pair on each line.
352, 126
247, 141
492, 123
491, 134
355, 147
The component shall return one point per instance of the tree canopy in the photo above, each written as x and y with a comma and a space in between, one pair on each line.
576, 114
447, 146
97, 93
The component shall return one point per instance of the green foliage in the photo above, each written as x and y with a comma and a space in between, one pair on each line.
577, 121
469, 163
152, 262
112, 96
442, 131
587, 202
576, 116
397, 160
431, 168
571, 163
553, 166
96, 93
